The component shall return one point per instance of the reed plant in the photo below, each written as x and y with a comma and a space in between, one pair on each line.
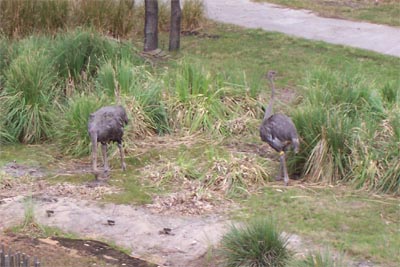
19, 18
256, 243
139, 90
79, 53
119, 19
71, 130
29, 96
192, 15
196, 100
116, 18
348, 132
5, 58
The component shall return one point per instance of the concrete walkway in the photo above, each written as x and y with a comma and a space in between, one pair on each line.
303, 23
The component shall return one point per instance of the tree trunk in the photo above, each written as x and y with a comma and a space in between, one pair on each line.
175, 30
151, 25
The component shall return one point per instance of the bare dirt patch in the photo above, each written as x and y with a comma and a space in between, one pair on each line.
58, 251
175, 230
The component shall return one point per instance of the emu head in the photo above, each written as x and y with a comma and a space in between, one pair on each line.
270, 75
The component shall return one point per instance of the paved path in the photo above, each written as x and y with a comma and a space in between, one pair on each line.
303, 23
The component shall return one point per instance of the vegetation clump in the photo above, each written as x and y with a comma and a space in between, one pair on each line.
339, 121
257, 243
120, 18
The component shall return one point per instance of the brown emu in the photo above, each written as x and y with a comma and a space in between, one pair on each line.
107, 125
278, 131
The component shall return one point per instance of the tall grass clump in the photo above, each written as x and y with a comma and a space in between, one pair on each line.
347, 132
116, 18
19, 18
79, 53
257, 243
376, 164
391, 93
192, 15
5, 58
72, 127
29, 96
140, 92
196, 101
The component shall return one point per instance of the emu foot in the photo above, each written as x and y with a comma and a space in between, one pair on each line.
99, 175
95, 183
286, 181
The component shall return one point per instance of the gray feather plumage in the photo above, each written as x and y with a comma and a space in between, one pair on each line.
279, 131
107, 124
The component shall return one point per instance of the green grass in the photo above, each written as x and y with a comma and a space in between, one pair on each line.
319, 259
80, 52
359, 224
72, 130
23, 154
335, 105
133, 191
256, 243
383, 12
30, 91
292, 57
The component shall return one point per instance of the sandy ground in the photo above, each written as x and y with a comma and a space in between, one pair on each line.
162, 239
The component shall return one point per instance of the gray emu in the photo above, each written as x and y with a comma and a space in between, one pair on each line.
278, 131
107, 125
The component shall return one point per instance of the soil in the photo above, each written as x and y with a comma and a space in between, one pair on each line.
167, 232
58, 251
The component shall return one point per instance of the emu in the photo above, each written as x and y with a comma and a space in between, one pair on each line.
107, 125
279, 131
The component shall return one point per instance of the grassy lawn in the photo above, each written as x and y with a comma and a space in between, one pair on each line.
362, 225
231, 60
381, 12
246, 55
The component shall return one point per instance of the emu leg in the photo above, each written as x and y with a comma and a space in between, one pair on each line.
121, 154
285, 172
104, 152
279, 176
94, 154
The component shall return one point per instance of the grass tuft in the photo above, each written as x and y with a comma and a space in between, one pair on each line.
192, 15
257, 243
79, 53
347, 132
72, 132
196, 101
320, 259
29, 96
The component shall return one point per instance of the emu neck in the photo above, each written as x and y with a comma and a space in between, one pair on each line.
268, 110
